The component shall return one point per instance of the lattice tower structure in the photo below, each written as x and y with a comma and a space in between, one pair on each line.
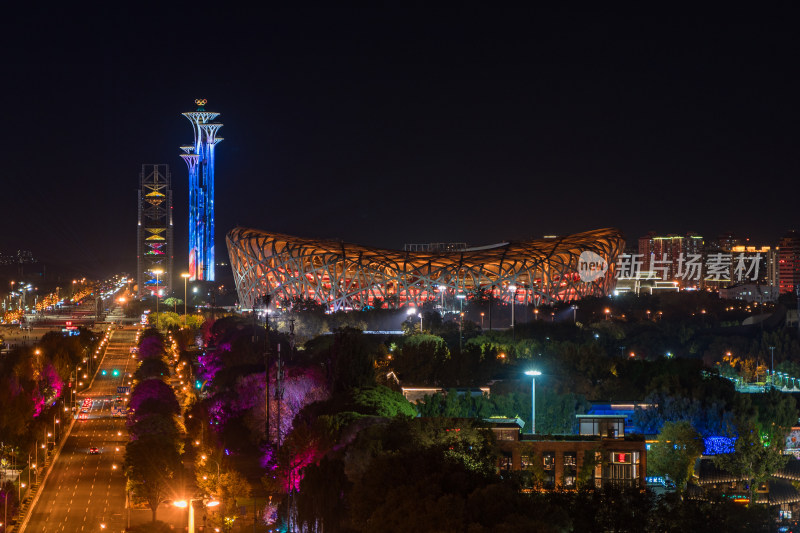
199, 159
155, 249
347, 276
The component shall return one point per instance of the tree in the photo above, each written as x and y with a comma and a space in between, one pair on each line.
321, 498
380, 401
674, 454
232, 487
152, 367
754, 458
420, 359
151, 464
353, 357
158, 395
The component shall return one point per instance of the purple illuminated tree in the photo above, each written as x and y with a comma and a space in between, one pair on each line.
154, 392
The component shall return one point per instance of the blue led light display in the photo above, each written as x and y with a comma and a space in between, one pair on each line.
199, 158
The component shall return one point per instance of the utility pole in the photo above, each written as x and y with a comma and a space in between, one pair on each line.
279, 392
772, 363
267, 299
491, 299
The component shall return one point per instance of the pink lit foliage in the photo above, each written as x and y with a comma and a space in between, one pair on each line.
48, 388
213, 361
301, 386
151, 347
156, 394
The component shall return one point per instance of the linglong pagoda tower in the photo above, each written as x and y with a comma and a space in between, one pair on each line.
199, 158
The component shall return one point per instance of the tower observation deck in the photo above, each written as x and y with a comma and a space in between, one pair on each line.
199, 158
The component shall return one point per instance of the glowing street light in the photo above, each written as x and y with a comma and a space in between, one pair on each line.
533, 374
157, 272
185, 277
513, 290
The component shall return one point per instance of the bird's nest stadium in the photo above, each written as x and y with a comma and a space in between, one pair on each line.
345, 276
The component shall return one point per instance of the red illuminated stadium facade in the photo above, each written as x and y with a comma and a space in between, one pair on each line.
346, 276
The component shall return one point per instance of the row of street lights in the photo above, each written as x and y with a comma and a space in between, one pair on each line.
185, 276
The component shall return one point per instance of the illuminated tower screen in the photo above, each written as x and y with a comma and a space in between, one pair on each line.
155, 246
199, 158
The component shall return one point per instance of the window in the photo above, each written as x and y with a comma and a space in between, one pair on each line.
505, 461
525, 462
570, 469
549, 464
506, 434
623, 469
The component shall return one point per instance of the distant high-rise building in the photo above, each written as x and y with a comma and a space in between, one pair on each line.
789, 262
773, 267
727, 241
766, 272
199, 158
646, 246
662, 255
155, 245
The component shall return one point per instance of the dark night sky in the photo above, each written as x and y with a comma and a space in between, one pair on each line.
390, 126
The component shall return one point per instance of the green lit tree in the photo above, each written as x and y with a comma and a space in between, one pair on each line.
754, 457
674, 454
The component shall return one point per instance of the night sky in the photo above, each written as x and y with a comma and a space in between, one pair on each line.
387, 127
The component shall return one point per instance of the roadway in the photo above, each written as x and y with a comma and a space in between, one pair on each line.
85, 491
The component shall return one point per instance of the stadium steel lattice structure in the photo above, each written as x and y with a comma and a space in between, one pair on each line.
347, 276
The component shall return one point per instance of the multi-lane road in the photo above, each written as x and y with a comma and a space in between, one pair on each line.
86, 491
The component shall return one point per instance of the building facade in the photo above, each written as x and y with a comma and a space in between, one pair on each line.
346, 276
663, 257
154, 232
604, 458
199, 158
789, 263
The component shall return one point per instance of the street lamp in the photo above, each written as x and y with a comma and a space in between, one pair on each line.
420, 322
185, 277
188, 503
533, 374
513, 290
204, 458
157, 272
772, 361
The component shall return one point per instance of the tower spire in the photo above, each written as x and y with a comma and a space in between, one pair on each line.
199, 159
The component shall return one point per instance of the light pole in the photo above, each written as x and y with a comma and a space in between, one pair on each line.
420, 322
188, 503
533, 374
513, 290
575, 314
461, 298
772, 363
185, 277
460, 332
482, 313
206, 458
157, 272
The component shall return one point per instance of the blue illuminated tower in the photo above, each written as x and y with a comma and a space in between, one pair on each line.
200, 159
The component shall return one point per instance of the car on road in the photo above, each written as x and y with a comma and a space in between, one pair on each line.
83, 416
93, 450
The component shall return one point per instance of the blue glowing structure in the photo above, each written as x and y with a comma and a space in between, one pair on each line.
716, 445
199, 158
